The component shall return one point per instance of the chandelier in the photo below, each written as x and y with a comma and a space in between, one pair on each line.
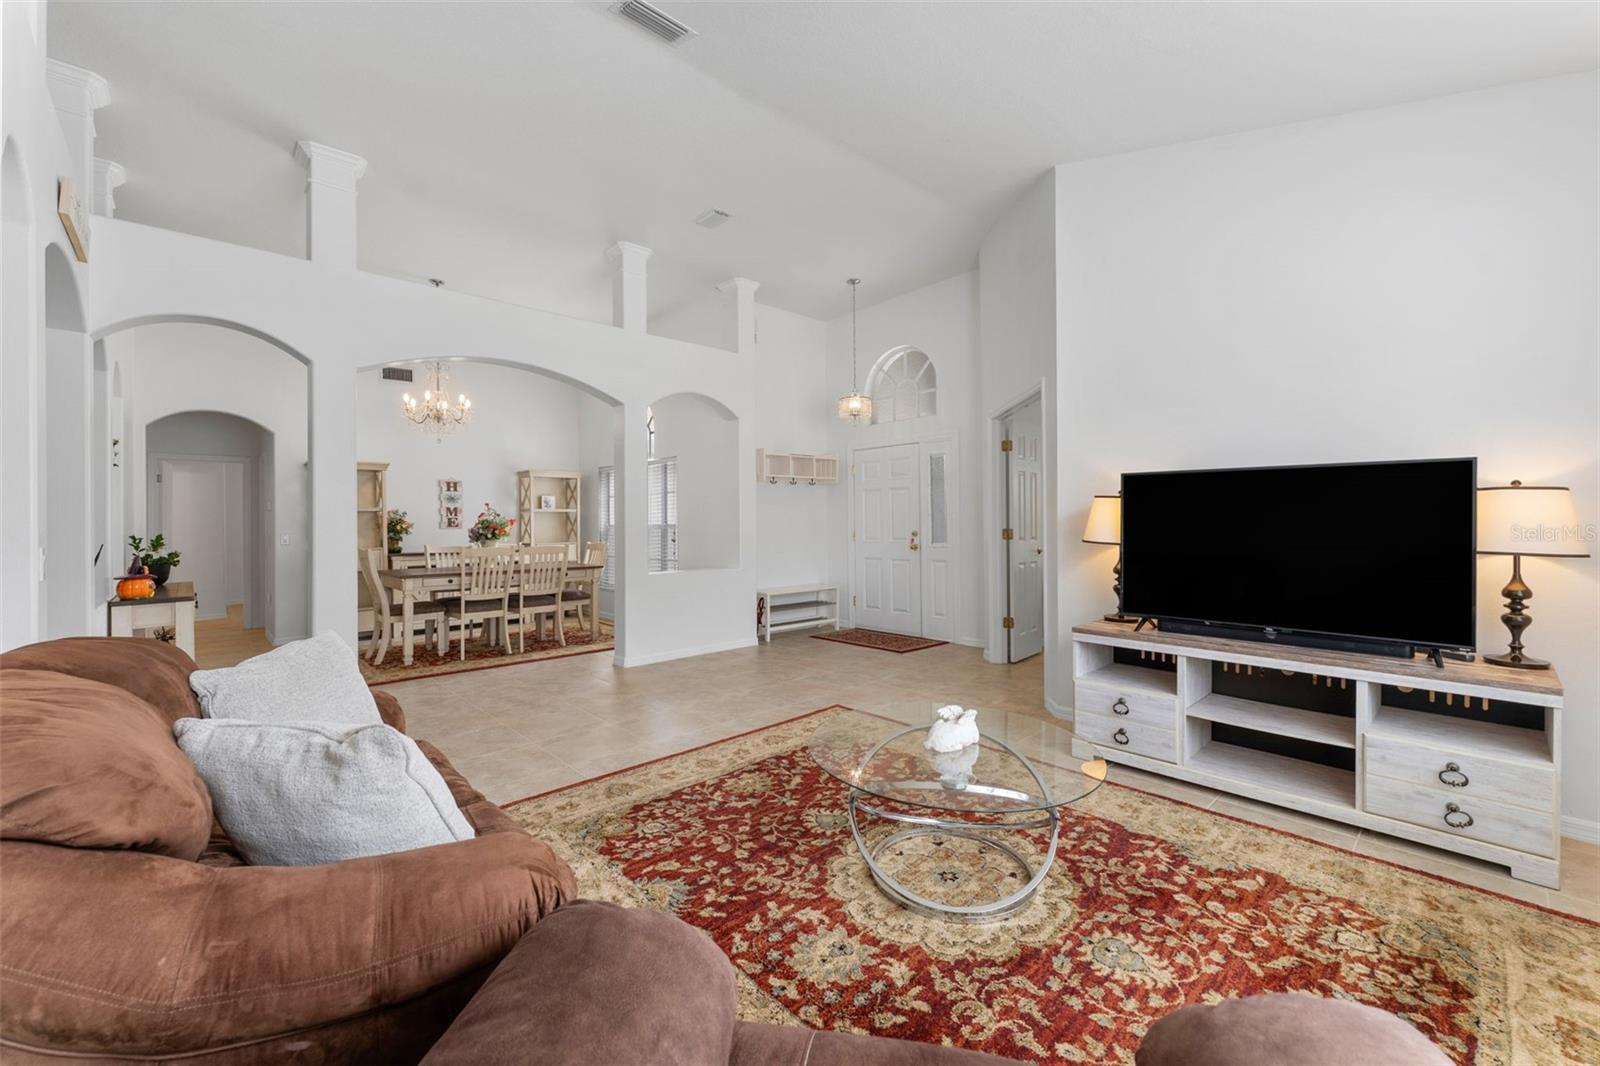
855, 407
436, 413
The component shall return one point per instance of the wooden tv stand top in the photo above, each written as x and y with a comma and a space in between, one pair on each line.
1475, 678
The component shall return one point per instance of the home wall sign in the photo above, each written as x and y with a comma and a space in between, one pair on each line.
450, 516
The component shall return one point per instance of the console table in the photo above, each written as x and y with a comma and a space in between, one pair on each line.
172, 605
1466, 757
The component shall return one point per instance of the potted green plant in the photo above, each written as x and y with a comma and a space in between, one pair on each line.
396, 525
156, 555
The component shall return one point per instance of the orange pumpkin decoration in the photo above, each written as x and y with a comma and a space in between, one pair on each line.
137, 587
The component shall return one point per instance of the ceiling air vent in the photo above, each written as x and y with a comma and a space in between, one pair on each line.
655, 20
711, 218
396, 373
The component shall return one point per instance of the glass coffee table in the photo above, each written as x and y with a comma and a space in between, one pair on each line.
1013, 780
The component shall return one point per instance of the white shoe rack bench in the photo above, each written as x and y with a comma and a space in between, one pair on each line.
1464, 757
796, 607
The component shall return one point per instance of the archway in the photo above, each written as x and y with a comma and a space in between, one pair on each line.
692, 485
537, 447
19, 481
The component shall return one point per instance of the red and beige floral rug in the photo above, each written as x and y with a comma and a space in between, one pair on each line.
482, 655
898, 643
1152, 904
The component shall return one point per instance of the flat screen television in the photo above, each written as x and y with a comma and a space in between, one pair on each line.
1376, 556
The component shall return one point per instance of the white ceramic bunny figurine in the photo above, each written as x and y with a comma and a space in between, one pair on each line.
955, 729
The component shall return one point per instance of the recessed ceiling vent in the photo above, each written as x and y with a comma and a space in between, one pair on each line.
711, 218
655, 20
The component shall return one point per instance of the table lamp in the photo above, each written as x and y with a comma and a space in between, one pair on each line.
1518, 520
1105, 527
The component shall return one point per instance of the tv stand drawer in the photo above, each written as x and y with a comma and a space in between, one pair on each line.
1112, 735
1462, 774
1476, 818
1127, 706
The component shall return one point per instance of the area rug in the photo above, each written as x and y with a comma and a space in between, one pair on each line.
426, 662
1152, 904
872, 638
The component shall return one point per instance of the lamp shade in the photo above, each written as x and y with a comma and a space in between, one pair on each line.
1105, 521
1518, 519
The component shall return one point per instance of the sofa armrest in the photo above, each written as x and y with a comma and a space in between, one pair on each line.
125, 953
389, 709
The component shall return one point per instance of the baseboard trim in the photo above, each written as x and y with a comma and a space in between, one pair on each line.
1585, 829
275, 640
1060, 710
968, 642
686, 653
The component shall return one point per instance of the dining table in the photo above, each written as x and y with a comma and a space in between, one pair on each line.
418, 584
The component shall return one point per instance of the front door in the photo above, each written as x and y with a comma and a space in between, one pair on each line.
1024, 517
888, 578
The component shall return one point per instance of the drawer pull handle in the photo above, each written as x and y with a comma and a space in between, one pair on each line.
1451, 775
1120, 736
1120, 707
1455, 817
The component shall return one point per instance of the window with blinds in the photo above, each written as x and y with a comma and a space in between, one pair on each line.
608, 524
661, 483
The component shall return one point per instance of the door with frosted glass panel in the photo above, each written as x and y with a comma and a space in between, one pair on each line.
1024, 517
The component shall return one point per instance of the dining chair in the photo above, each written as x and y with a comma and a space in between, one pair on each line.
584, 591
484, 595
388, 614
542, 573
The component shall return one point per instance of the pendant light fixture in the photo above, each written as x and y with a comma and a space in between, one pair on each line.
855, 407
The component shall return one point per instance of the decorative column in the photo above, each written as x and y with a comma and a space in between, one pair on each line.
108, 177
331, 177
629, 310
742, 292
77, 95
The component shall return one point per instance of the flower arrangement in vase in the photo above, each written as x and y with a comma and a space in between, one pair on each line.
396, 524
490, 527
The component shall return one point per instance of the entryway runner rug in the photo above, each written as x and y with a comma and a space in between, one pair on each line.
427, 662
872, 638
1152, 904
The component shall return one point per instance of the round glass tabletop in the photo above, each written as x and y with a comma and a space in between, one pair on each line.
1020, 763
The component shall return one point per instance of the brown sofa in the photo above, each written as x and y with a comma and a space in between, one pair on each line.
131, 928
598, 983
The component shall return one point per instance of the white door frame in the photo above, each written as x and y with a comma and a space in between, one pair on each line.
994, 649
946, 443
254, 549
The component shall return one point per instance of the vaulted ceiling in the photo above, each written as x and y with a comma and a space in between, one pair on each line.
509, 143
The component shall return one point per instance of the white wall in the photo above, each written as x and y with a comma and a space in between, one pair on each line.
940, 320
1405, 282
520, 420
176, 367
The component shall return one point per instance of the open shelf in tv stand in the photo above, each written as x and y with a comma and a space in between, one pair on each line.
1445, 773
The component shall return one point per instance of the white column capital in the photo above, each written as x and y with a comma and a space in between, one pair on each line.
625, 256
75, 90
739, 286
108, 176
330, 166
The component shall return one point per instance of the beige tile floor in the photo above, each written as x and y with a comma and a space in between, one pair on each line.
520, 730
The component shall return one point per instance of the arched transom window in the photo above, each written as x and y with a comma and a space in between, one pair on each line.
903, 386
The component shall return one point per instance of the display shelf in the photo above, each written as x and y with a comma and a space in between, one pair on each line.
1272, 718
1264, 770
1531, 746
1133, 678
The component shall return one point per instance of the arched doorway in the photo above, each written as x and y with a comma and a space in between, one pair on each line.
19, 543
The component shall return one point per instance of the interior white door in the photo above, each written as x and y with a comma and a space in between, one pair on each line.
888, 509
194, 518
1025, 519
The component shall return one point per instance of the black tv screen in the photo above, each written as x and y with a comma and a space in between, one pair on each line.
1377, 551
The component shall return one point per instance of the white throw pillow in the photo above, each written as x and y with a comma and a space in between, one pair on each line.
303, 793
315, 680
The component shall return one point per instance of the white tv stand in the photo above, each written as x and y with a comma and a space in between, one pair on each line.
1466, 757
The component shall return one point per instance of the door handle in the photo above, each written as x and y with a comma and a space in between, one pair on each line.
914, 541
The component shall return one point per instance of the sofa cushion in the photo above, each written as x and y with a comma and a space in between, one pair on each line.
153, 670
1285, 1029
89, 765
765, 1044
556, 999
313, 680
303, 793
